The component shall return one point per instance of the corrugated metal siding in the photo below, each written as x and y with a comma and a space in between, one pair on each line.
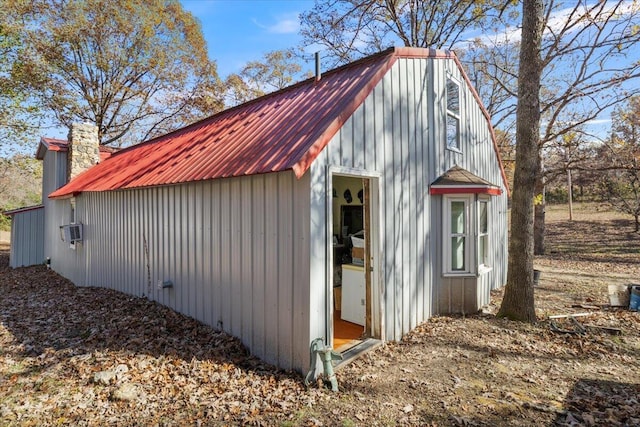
27, 238
235, 249
398, 132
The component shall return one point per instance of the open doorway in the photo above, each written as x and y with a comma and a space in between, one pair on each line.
355, 311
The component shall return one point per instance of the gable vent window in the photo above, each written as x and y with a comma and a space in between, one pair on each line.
453, 114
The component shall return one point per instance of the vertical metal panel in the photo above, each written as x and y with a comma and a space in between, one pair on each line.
216, 253
271, 274
258, 258
226, 255
285, 268
236, 261
301, 310
198, 248
245, 260
318, 251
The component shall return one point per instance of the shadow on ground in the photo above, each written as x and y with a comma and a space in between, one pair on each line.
597, 402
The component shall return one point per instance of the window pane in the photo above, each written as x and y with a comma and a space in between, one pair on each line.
453, 96
457, 253
482, 250
457, 217
452, 132
484, 225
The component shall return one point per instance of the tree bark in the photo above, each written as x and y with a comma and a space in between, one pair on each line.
518, 302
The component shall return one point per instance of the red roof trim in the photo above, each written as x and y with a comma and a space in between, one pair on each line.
434, 191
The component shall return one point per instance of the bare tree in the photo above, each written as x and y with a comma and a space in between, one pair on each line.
349, 29
620, 184
590, 63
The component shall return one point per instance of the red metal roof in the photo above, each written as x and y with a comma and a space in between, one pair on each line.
285, 130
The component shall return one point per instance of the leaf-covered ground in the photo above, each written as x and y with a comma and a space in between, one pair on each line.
87, 356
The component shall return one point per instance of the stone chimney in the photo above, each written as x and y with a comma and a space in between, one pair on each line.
84, 149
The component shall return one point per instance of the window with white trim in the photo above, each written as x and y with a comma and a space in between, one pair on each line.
453, 114
456, 239
466, 234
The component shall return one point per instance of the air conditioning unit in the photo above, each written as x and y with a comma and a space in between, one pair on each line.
71, 233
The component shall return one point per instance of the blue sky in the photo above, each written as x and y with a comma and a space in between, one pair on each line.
239, 31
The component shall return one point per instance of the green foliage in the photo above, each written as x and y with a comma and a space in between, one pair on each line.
20, 184
19, 114
275, 71
557, 195
135, 68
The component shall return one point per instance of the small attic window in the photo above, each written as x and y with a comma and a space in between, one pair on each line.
453, 113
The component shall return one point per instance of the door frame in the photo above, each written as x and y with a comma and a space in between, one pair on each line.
375, 256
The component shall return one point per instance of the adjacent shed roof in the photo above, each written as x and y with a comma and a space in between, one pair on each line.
458, 180
285, 130
21, 210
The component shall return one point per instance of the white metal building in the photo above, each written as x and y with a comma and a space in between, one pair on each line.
245, 220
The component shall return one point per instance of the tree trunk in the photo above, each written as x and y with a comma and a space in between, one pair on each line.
518, 301
570, 194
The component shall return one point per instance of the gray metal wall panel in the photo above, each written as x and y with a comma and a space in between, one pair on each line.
318, 251
236, 250
27, 238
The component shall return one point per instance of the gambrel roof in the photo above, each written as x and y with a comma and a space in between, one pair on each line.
284, 130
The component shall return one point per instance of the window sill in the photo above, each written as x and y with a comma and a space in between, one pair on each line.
455, 150
484, 269
461, 274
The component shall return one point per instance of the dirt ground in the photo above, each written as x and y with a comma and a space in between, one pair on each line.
86, 356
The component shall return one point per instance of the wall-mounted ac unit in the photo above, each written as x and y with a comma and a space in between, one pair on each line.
71, 233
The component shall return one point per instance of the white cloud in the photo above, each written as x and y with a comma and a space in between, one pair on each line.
285, 24
559, 18
596, 122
